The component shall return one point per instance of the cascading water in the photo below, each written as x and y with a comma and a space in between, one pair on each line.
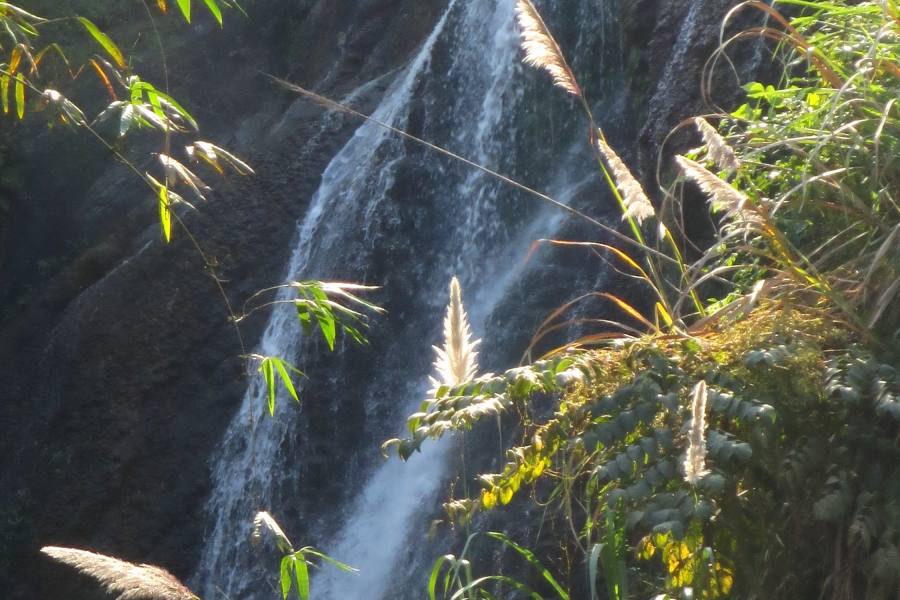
387, 213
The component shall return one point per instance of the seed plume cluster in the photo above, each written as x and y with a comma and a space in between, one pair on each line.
128, 581
695, 460
541, 50
637, 205
717, 148
455, 362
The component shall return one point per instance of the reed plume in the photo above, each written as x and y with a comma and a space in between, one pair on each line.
455, 362
637, 205
264, 520
716, 147
129, 581
695, 460
541, 50
722, 196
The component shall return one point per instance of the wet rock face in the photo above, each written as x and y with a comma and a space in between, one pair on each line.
121, 375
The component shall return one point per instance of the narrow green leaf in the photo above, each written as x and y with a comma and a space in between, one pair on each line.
435, 572
533, 560
326, 324
269, 375
279, 364
339, 565
105, 41
461, 593
185, 6
165, 216
214, 9
286, 575
592, 569
20, 96
304, 316
301, 571
4, 92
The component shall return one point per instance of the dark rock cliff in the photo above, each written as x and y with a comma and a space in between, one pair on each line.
122, 371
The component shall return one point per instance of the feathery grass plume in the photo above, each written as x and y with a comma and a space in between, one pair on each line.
637, 205
265, 520
716, 147
455, 362
722, 196
129, 581
695, 460
541, 50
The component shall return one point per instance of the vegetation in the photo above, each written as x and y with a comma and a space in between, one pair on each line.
746, 445
742, 440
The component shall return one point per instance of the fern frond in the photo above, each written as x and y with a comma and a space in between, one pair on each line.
637, 205
455, 362
129, 581
541, 50
716, 147
695, 459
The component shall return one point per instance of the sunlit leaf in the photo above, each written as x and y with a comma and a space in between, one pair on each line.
301, 572
126, 119
102, 73
214, 9
165, 216
269, 375
20, 96
105, 41
185, 6
279, 364
4, 92
286, 575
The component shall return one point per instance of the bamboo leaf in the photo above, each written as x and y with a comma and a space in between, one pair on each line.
279, 364
165, 216
328, 559
4, 92
286, 574
20, 96
269, 375
105, 41
214, 9
301, 572
126, 120
185, 6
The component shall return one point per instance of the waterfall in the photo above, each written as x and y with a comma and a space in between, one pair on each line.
391, 214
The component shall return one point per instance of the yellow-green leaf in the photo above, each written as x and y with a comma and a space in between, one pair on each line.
14, 60
4, 92
185, 6
165, 214
301, 571
104, 40
20, 96
214, 9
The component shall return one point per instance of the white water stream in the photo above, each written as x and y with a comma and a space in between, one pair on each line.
483, 41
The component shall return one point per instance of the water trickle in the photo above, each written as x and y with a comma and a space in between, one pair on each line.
390, 214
